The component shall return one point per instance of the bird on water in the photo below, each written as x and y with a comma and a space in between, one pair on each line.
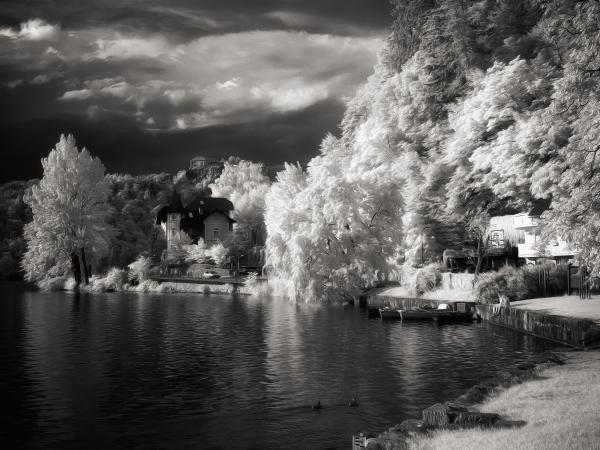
317, 405
353, 402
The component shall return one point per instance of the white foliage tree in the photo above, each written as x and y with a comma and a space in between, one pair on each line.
70, 211
333, 231
245, 185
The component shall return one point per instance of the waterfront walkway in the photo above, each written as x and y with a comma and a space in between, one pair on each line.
567, 306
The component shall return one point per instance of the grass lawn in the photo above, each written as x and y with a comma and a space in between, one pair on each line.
561, 408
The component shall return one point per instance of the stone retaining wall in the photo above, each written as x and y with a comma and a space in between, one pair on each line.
575, 332
578, 333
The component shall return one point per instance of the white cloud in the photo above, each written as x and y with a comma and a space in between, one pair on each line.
13, 84
126, 47
78, 94
41, 79
53, 52
229, 84
284, 99
224, 78
32, 30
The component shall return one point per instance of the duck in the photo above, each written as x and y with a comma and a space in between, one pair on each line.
317, 405
353, 402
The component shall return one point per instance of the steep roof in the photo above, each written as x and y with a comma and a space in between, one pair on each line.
174, 206
208, 205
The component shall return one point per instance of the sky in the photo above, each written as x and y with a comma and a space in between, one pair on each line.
148, 84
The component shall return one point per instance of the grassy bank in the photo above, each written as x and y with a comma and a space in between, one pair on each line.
561, 408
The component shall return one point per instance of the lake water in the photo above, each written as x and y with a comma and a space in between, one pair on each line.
222, 372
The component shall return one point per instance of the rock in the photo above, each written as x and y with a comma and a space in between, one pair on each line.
436, 415
411, 426
591, 337
476, 419
456, 406
504, 377
527, 366
488, 386
389, 440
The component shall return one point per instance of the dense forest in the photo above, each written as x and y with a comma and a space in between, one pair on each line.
476, 108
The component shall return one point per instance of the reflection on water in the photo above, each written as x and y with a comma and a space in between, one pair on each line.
158, 371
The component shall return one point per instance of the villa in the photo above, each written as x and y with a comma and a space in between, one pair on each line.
204, 218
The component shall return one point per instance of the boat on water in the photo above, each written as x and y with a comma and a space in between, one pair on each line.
421, 314
389, 314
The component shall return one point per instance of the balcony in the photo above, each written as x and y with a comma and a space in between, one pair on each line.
523, 222
530, 250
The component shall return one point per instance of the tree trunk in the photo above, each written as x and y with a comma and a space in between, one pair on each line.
86, 272
479, 258
76, 269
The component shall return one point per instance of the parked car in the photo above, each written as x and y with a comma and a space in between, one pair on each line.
211, 274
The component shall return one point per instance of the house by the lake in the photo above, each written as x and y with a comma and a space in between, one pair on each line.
514, 239
206, 218
522, 232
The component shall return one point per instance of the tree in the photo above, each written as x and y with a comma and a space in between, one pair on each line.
70, 210
245, 185
132, 200
334, 230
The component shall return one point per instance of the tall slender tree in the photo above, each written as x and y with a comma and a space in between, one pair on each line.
69, 228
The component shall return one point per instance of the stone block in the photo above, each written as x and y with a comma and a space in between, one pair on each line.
476, 419
436, 415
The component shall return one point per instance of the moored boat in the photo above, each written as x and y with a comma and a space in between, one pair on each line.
454, 317
389, 314
437, 315
416, 314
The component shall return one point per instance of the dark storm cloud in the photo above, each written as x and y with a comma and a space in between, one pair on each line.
193, 18
148, 84
124, 148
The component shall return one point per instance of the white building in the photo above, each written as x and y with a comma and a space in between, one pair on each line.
532, 248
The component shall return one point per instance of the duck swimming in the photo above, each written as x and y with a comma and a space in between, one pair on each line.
353, 402
317, 405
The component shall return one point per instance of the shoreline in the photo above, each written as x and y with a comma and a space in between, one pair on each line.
577, 332
512, 410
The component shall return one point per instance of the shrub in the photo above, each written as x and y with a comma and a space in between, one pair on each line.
52, 283
70, 284
113, 281
149, 286
139, 269
508, 281
218, 253
425, 280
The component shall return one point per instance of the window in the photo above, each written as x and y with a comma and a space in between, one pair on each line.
497, 238
173, 232
216, 233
